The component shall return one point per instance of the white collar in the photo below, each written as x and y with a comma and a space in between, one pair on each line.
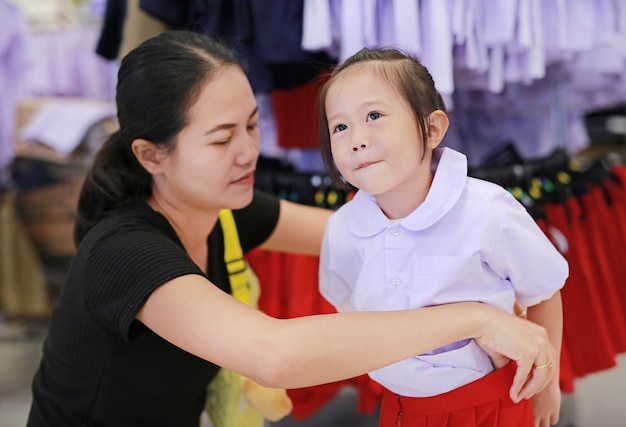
450, 171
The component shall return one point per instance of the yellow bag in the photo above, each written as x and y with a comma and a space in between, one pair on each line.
226, 404
233, 400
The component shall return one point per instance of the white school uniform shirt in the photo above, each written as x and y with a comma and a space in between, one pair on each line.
470, 240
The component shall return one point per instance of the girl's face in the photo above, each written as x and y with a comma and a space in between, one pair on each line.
214, 160
374, 139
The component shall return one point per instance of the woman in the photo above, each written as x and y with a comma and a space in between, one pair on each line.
145, 317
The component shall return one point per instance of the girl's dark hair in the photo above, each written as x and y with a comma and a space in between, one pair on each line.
403, 72
157, 84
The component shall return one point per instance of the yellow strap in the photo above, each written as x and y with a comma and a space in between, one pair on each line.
233, 255
226, 402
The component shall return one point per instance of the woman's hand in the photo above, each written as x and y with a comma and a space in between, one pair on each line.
499, 360
527, 344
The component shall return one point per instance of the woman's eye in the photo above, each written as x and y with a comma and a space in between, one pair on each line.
224, 142
340, 128
252, 126
374, 115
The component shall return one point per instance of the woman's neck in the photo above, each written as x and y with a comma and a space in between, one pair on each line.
192, 227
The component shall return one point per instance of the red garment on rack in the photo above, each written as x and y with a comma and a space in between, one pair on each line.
296, 114
615, 230
608, 259
289, 288
586, 331
617, 193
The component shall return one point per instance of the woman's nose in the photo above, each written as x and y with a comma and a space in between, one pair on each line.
249, 151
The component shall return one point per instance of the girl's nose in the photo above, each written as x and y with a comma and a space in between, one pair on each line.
359, 141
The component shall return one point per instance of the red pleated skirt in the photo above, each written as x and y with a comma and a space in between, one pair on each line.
586, 329
482, 403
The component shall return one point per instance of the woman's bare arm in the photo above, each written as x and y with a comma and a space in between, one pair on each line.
201, 319
300, 229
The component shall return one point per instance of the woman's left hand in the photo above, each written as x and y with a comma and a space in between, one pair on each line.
498, 360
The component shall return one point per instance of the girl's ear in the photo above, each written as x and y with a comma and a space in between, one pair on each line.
148, 155
437, 123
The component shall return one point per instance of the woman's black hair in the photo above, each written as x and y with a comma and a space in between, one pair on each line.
157, 84
403, 72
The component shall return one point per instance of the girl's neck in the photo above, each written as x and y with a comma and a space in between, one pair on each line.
406, 198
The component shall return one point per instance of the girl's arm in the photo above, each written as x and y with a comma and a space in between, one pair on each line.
196, 316
547, 404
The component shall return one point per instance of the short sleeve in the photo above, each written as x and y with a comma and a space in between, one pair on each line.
123, 268
525, 256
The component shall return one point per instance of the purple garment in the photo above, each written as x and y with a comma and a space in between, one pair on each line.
437, 44
65, 64
522, 115
541, 84
14, 60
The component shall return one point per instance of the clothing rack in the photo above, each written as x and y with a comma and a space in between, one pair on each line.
313, 189
533, 183
521, 173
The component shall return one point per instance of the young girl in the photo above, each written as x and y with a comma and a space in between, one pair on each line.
420, 232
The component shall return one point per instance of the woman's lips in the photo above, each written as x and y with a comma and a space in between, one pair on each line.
246, 179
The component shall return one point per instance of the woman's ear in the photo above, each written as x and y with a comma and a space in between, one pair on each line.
147, 154
437, 123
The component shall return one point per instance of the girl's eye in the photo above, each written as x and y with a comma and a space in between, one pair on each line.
252, 126
340, 128
374, 115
